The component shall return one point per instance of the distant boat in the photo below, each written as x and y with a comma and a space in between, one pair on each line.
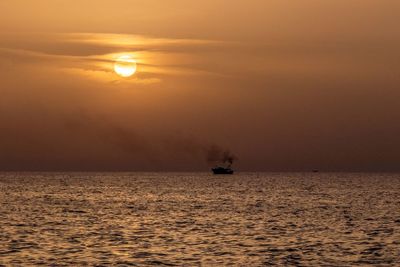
315, 170
222, 170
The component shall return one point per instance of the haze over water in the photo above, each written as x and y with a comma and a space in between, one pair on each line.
285, 85
192, 219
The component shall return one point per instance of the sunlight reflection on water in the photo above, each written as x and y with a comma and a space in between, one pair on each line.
196, 218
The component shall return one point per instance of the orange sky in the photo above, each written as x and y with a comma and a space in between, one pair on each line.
285, 85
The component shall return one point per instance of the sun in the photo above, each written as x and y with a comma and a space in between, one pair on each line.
125, 66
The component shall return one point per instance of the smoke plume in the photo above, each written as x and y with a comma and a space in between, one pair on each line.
219, 155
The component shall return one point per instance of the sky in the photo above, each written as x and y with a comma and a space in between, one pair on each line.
283, 85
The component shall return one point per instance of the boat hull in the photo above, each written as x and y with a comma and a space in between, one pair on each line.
222, 171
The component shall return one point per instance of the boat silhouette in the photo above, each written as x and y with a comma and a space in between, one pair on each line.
222, 170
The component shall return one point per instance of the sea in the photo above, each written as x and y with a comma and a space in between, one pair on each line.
199, 219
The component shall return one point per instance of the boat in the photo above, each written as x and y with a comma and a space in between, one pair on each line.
222, 170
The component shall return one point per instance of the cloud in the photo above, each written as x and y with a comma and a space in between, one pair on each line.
96, 53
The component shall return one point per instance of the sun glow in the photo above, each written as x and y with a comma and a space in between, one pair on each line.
125, 66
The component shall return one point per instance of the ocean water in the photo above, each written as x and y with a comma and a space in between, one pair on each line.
197, 219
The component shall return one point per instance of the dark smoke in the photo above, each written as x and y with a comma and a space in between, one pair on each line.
158, 151
82, 141
219, 155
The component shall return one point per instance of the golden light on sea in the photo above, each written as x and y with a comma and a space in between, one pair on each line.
125, 66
